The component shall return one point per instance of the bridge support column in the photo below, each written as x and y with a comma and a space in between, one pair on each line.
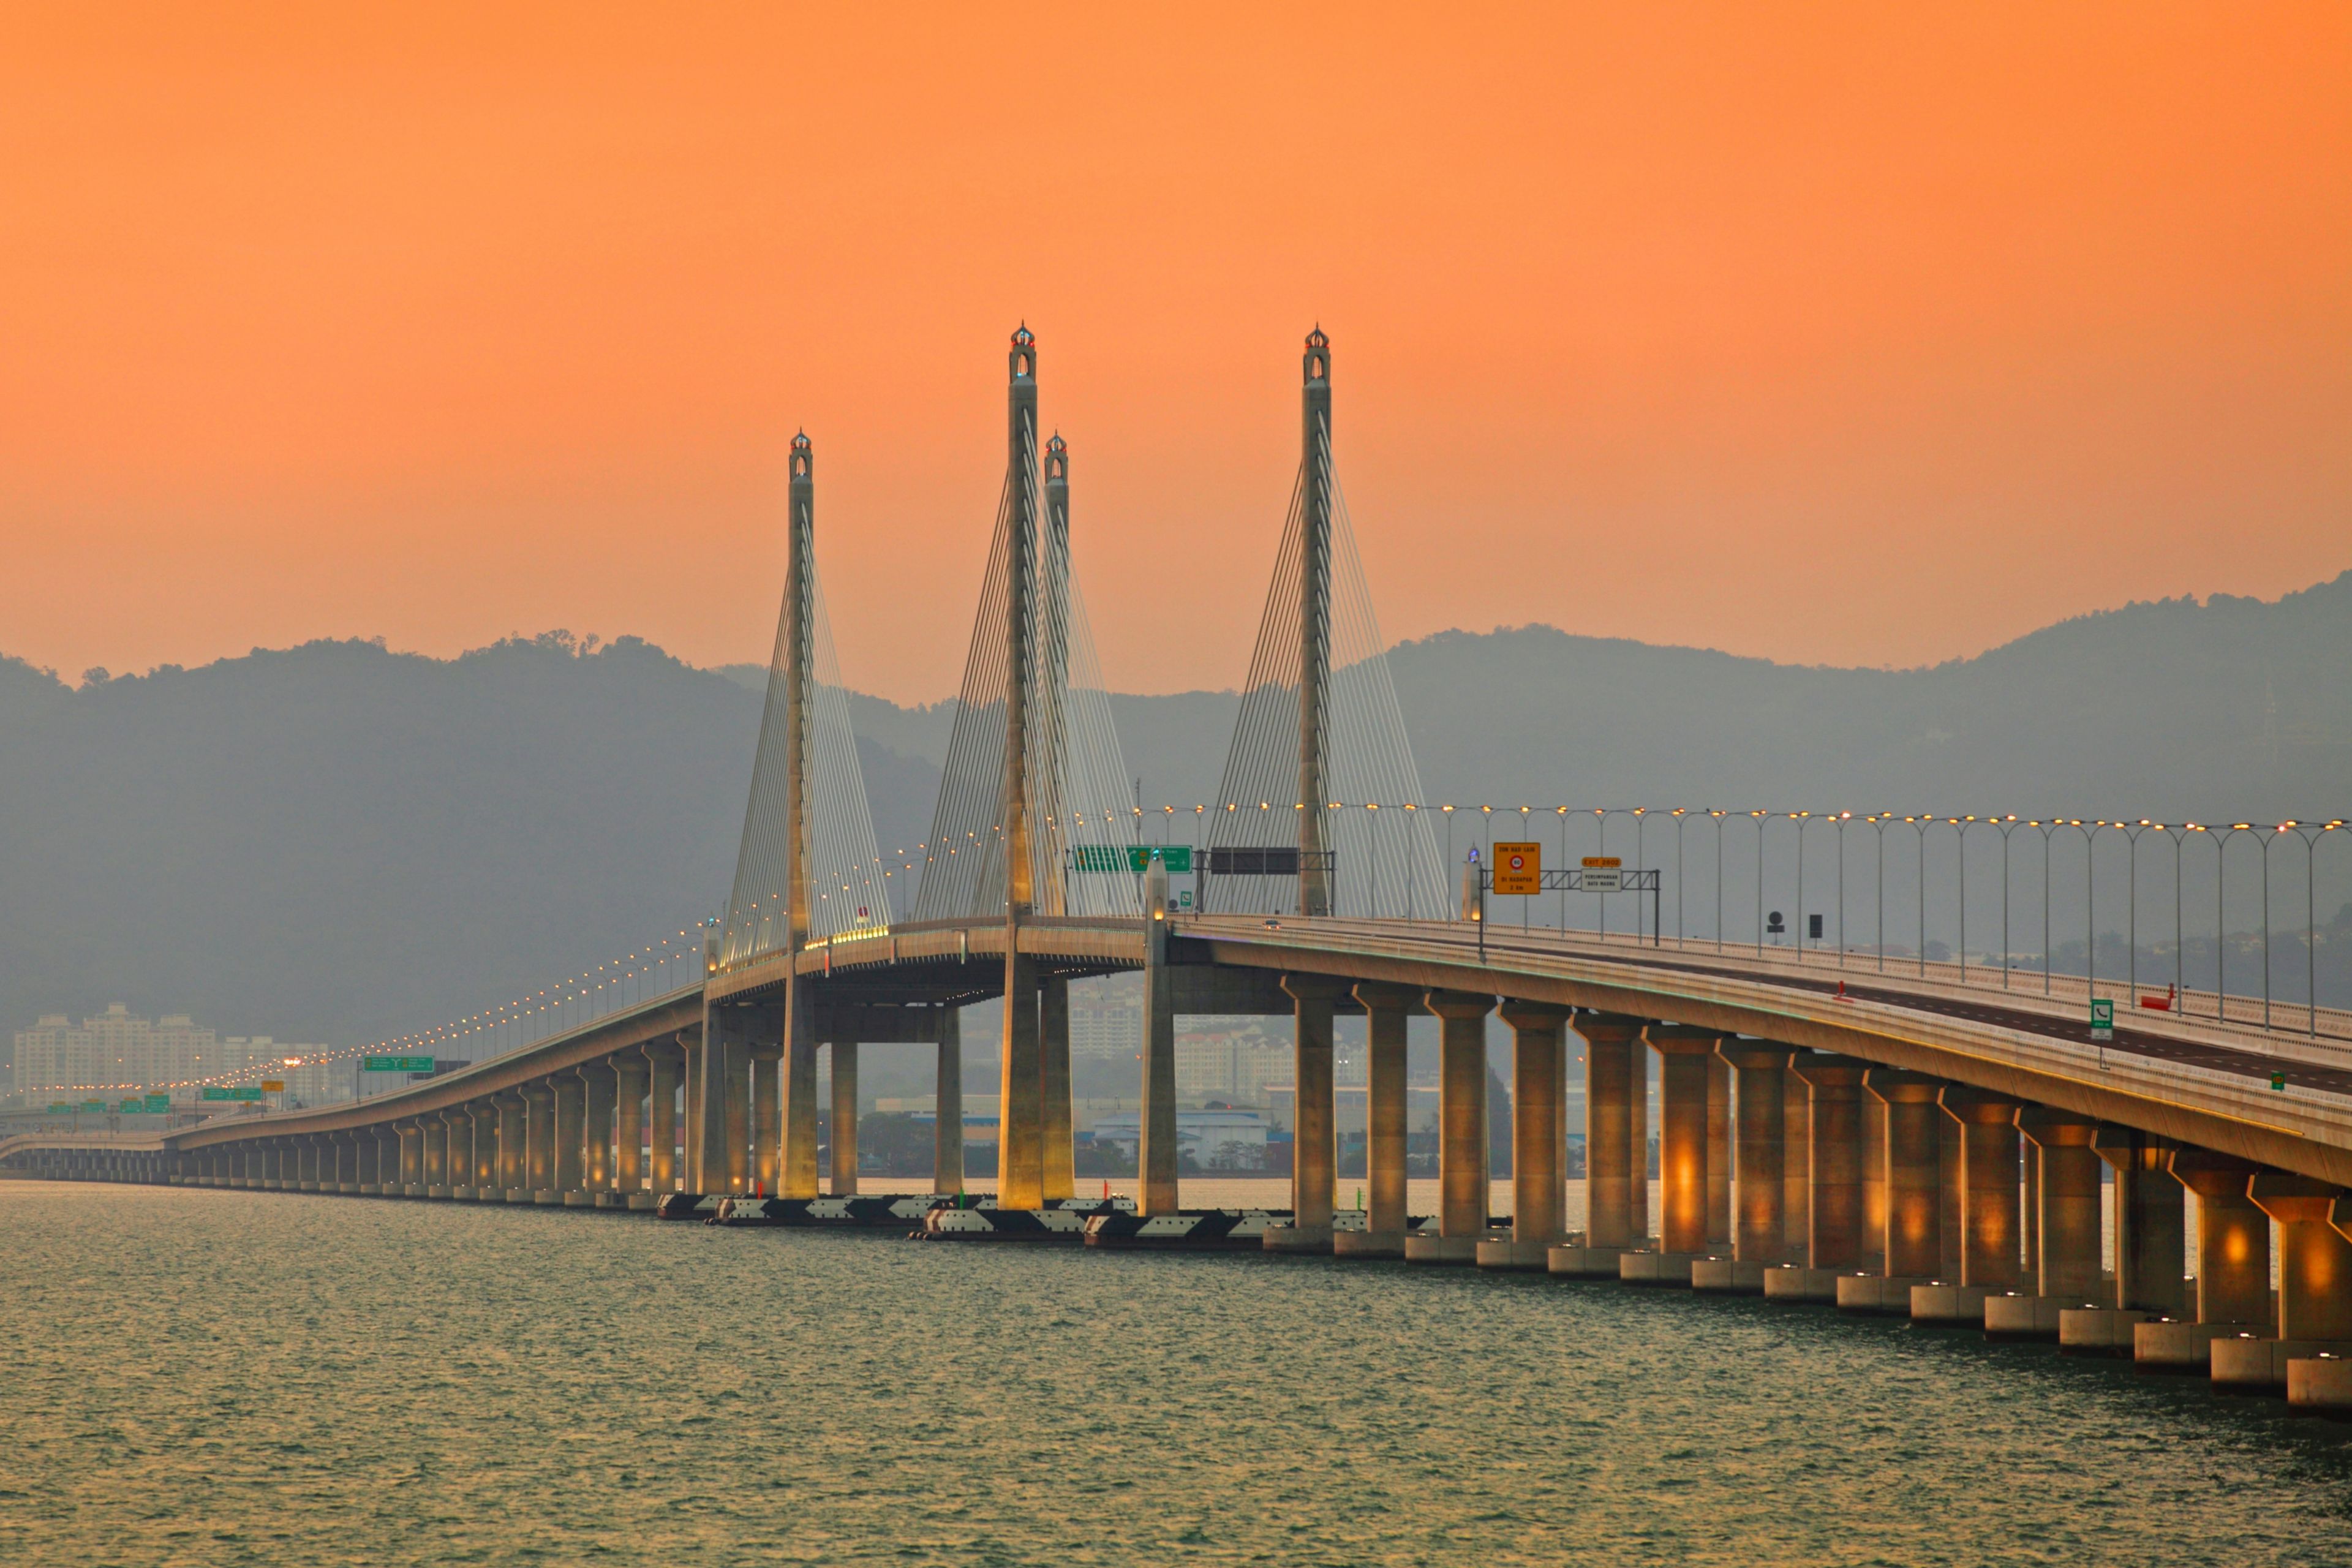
571, 1130
1539, 1201
2314, 1295
1719, 1237
1314, 1149
947, 1105
662, 1063
1386, 1009
458, 1168
597, 1095
799, 1078
412, 1160
735, 1126
1156, 1162
766, 1113
1053, 1087
1760, 1232
629, 1074
1020, 1129
1683, 1057
1988, 1182
1797, 1164
436, 1155
1915, 1228
1837, 1229
695, 1168
1615, 1081
844, 1118
2233, 1269
367, 1160
1463, 1146
1874, 1184
1948, 1158
538, 1137
2068, 1264
512, 1173
2151, 1230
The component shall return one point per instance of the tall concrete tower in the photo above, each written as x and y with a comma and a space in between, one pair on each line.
800, 598
1048, 720
1020, 1142
1315, 626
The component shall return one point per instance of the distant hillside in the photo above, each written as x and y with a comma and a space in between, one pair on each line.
336, 842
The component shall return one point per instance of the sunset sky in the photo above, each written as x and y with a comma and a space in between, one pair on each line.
1849, 333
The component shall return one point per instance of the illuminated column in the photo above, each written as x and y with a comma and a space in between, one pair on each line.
1683, 1057
435, 1128
1019, 1137
1837, 1229
662, 1064
538, 1135
598, 1092
799, 1078
947, 1105
1758, 1234
570, 1096
1915, 1232
844, 1118
1718, 1156
2233, 1239
1314, 1150
1462, 1141
630, 1071
1537, 1198
2068, 1231
691, 1115
1989, 1180
766, 1113
1797, 1164
1157, 1162
1613, 1086
1386, 1009
736, 1057
1054, 1085
514, 1147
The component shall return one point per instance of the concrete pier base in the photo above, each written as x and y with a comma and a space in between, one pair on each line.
413, 1190
1881, 1294
612, 1200
2019, 1315
1441, 1249
576, 1199
1529, 1257
2320, 1386
643, 1202
348, 1189
1726, 1277
1368, 1244
1655, 1267
2171, 1345
518, 1194
438, 1192
1937, 1302
2098, 1330
2248, 1364
1583, 1262
1791, 1283
1313, 1239
547, 1197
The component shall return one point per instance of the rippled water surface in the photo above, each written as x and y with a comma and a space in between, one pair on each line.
213, 1377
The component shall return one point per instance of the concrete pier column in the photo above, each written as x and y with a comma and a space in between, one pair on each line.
2233, 1239
947, 1105
2314, 1262
1874, 1184
844, 1117
1157, 1164
1837, 1229
690, 1111
1645, 1222
766, 1113
1020, 1128
1915, 1230
412, 1158
1053, 1087
1719, 1231
1539, 1193
798, 1074
460, 1120
630, 1071
1314, 1149
598, 1094
514, 1145
1759, 1236
735, 1108
2150, 1222
367, 1159
1947, 1157
2067, 1228
571, 1129
1684, 1053
1463, 1155
435, 1130
1797, 1166
712, 1080
661, 1067
1386, 1009
1988, 1184
1614, 1082
538, 1137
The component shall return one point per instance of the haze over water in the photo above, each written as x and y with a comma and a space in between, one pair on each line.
222, 1378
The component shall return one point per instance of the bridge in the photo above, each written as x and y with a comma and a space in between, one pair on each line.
1846, 1120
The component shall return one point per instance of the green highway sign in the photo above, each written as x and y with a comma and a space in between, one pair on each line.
2278, 1082
61, 1106
93, 1105
1097, 858
2102, 1018
1132, 859
1178, 857
395, 1064
133, 1102
156, 1102
245, 1091
212, 1091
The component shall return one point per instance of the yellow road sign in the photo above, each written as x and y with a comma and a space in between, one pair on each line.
1602, 862
273, 1086
1518, 868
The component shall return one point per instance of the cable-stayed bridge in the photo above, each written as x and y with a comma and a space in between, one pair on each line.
1895, 1121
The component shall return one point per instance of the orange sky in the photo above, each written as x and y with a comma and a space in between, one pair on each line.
1853, 332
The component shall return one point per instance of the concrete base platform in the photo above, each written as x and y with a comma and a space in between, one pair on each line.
2016, 1315
1459, 1250
518, 1194
1655, 1267
413, 1190
643, 1202
579, 1200
2097, 1331
1584, 1262
1937, 1302
439, 1192
612, 1200
1314, 1240
1791, 1283
1726, 1277
348, 1189
1885, 1295
547, 1197
315, 1187
2320, 1386
2170, 1344
1368, 1244
2250, 1364
1505, 1253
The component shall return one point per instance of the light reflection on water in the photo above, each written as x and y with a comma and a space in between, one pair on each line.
216, 1377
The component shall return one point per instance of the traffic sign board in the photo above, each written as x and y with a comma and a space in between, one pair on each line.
212, 1091
1518, 868
132, 1102
1602, 878
2102, 1018
245, 1091
394, 1063
273, 1086
157, 1102
1177, 858
1603, 862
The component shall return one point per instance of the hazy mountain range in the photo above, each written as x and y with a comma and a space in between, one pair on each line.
337, 842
